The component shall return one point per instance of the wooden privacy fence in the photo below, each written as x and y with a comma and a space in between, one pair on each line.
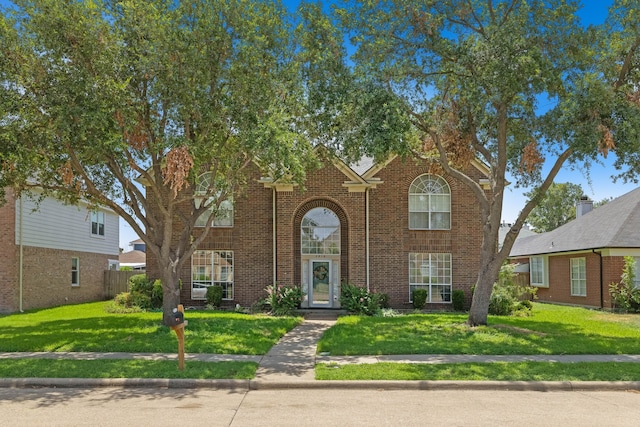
116, 281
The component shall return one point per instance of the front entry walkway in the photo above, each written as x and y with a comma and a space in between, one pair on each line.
293, 358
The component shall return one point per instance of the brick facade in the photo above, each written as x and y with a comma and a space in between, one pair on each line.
46, 273
601, 271
390, 240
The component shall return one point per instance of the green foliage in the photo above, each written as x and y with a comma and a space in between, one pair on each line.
419, 298
457, 298
126, 268
214, 296
358, 300
624, 295
143, 293
284, 300
154, 90
556, 207
384, 300
507, 294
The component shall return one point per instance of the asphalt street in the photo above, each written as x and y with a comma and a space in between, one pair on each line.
308, 407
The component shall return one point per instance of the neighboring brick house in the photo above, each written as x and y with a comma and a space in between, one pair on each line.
390, 227
575, 263
54, 255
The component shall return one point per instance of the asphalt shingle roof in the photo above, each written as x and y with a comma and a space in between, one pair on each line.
613, 225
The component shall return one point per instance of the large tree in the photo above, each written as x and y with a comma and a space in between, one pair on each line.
556, 208
464, 79
126, 103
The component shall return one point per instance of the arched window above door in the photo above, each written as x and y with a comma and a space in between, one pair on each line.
320, 232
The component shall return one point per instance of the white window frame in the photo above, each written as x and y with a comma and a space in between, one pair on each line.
98, 219
636, 279
215, 274
578, 267
430, 266
429, 187
536, 278
75, 271
224, 216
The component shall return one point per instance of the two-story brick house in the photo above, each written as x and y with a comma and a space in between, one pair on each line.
390, 227
53, 253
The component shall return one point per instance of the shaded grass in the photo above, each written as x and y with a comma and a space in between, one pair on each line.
87, 327
550, 329
42, 368
497, 371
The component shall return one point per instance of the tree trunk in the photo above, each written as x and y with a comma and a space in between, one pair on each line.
488, 275
171, 292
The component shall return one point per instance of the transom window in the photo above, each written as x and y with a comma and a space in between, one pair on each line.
429, 203
430, 271
579, 277
224, 215
97, 223
212, 268
320, 232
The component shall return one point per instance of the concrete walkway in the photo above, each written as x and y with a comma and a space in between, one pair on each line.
291, 364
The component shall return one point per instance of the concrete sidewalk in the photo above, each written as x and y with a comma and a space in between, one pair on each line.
291, 364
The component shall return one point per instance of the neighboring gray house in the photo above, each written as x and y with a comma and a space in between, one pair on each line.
575, 263
54, 253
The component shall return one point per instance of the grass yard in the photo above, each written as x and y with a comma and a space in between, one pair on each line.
515, 371
550, 329
41, 368
88, 327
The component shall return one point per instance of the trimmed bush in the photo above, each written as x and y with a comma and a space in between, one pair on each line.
457, 298
419, 298
357, 300
214, 296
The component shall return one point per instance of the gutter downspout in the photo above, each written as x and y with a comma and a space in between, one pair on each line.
275, 246
366, 197
21, 256
601, 284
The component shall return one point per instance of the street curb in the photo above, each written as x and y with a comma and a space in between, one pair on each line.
246, 385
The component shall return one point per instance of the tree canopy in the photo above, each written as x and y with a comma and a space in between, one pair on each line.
556, 208
125, 103
469, 78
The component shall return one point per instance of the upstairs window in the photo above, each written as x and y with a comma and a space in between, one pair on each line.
97, 223
224, 215
429, 203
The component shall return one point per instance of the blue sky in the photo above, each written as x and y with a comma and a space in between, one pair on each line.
600, 185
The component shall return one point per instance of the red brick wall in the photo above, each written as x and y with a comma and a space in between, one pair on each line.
47, 277
9, 291
391, 240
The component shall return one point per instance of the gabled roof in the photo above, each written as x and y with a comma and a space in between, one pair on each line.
613, 225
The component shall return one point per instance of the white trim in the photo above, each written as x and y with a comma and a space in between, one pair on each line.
75, 270
545, 271
582, 266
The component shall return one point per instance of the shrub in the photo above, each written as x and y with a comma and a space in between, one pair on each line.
507, 295
357, 300
419, 298
624, 295
384, 301
284, 300
123, 299
457, 298
214, 296
156, 294
140, 283
143, 293
141, 300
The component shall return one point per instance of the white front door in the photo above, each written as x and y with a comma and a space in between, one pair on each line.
320, 280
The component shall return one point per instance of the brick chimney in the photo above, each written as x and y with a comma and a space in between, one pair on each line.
584, 206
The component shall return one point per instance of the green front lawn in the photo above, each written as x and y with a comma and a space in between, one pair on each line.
499, 371
110, 368
550, 329
87, 327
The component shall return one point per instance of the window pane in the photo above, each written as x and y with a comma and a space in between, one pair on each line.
320, 232
431, 271
429, 195
419, 220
